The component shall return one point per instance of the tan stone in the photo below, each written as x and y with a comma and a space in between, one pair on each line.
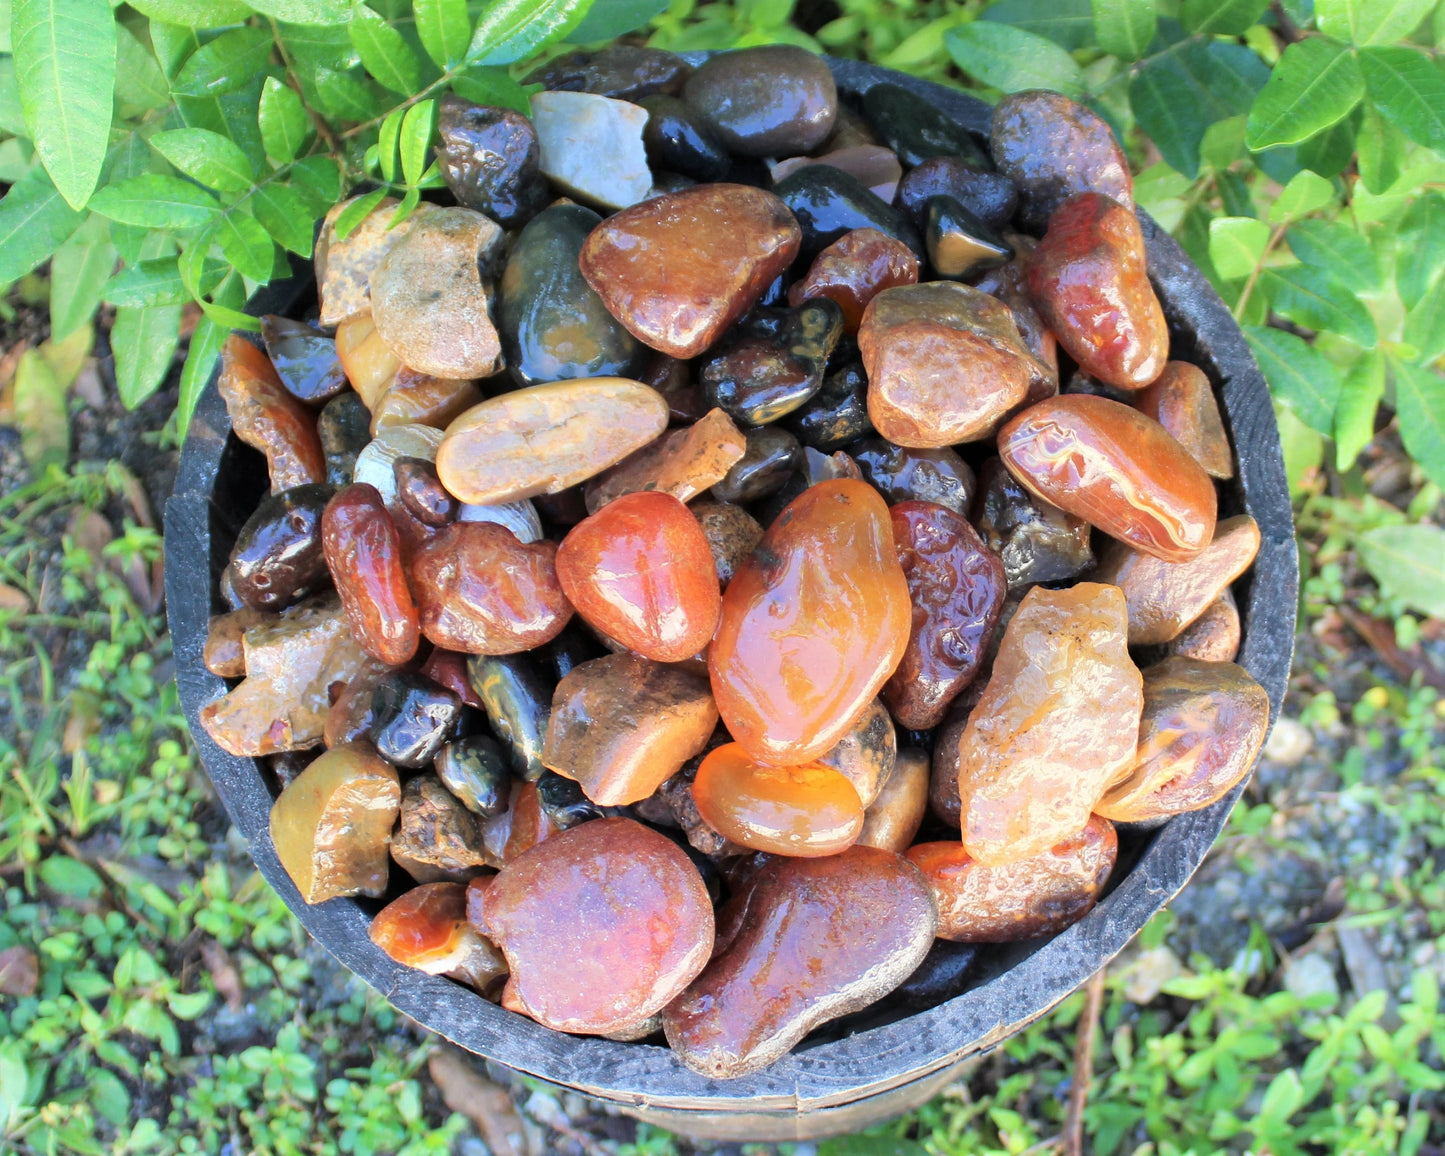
682, 462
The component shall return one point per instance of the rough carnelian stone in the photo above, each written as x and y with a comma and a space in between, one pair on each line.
427, 929
853, 270
1182, 401
640, 571
894, 817
804, 811
1117, 469
363, 553
266, 416
1057, 724
1029, 897
1089, 278
367, 360
603, 925
1212, 637
812, 625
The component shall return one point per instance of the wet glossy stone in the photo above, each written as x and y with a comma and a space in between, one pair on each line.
1117, 469
673, 379
871, 165
1165, 597
722, 245
812, 626
223, 652
1009, 283
640, 571
678, 140
681, 463
902, 474
563, 802
945, 364
991, 197
622, 725
412, 718
775, 100
829, 203
489, 158
1057, 723
732, 534
805, 811
518, 701
957, 587
304, 359
1089, 279
428, 299
592, 147
448, 668
349, 719
521, 518
946, 971
837, 414
626, 71
917, 131
413, 398
629, 894
546, 438
959, 244
526, 823
277, 559
814, 467
1203, 726
474, 769
943, 797
816, 939
420, 490
344, 267
770, 456
427, 929
376, 463
1213, 636
1182, 401
437, 838
1053, 148
761, 378
344, 427
368, 362
284, 767
363, 554
1036, 541
893, 818
850, 129
480, 591
866, 754
266, 416
331, 824
1026, 898
853, 270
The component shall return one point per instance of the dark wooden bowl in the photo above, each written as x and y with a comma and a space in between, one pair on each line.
892, 1058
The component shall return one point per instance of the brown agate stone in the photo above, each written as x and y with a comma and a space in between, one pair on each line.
427, 929
367, 360
812, 625
344, 268
1009, 283
866, 754
682, 462
1089, 278
732, 534
1202, 727
363, 553
480, 591
1035, 540
331, 824
853, 270
413, 398
630, 895
803, 810
1165, 597
1057, 724
621, 726
266, 416
893, 818
547, 438
1024, 898
815, 940
1213, 636
945, 364
957, 588
721, 246
438, 833
1117, 469
1182, 401
943, 797
350, 717
292, 664
223, 653
640, 571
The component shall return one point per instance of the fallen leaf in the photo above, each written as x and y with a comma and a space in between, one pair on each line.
225, 977
39, 404
19, 971
92, 533
13, 599
67, 357
487, 1105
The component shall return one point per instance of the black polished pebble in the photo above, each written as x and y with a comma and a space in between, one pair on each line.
664, 183
412, 718
420, 490
562, 801
828, 202
623, 71
945, 972
901, 474
305, 360
518, 702
277, 559
570, 649
777, 367
286, 765
553, 324
989, 196
917, 131
837, 414
1036, 541
772, 101
344, 426
679, 141
490, 158
959, 244
813, 467
475, 770
771, 456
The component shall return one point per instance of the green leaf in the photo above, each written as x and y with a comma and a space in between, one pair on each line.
1283, 1097
1425, 325
1331, 246
1421, 247
1221, 17
305, 11
1315, 84
1124, 28
356, 212
344, 95
156, 202
70, 876
318, 180
386, 138
65, 68
1011, 59
214, 160
1305, 193
1409, 90
12, 119
194, 13
1420, 407
1298, 374
78, 273
246, 245
39, 413
1409, 564
139, 80
144, 342
232, 114
1370, 21
406, 207
110, 1097
492, 86
282, 120
1380, 146
207, 340
415, 139
227, 63
608, 19
445, 29
1360, 396
188, 1005
285, 216
1236, 245
157, 281
384, 52
1069, 23
34, 221
511, 30
1177, 95
1318, 300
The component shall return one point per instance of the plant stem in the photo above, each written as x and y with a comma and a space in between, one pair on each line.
1088, 1028
444, 78
1274, 239
323, 130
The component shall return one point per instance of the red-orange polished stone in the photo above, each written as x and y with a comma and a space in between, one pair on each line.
640, 571
853, 270
266, 416
363, 553
812, 625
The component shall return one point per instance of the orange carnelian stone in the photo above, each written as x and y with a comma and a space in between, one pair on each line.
853, 270
801, 811
640, 571
812, 625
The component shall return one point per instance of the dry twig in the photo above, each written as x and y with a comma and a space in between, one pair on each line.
1088, 1028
